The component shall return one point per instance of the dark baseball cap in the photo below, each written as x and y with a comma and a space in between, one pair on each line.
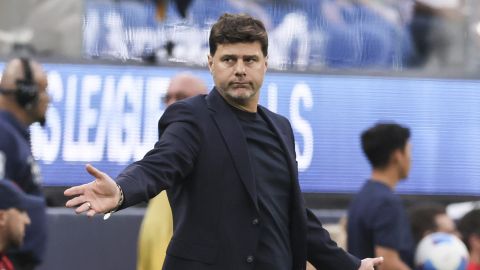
11, 196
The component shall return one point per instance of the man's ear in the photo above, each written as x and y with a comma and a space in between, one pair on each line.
397, 156
393, 159
266, 63
210, 62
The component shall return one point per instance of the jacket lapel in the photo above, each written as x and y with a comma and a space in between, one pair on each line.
233, 136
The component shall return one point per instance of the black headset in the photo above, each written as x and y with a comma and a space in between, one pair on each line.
27, 90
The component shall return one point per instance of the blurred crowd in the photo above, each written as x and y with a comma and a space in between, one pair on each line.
304, 34
420, 33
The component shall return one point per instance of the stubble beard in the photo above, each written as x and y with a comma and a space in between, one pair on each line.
37, 116
241, 97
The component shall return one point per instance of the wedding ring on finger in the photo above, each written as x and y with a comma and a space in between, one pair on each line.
89, 205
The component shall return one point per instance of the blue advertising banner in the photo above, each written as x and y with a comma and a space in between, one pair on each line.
107, 116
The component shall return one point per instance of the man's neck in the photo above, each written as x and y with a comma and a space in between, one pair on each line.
385, 176
243, 108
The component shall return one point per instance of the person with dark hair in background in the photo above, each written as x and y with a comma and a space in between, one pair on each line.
157, 225
24, 101
429, 218
377, 222
13, 218
469, 227
228, 165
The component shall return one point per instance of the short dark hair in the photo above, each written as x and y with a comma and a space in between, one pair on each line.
423, 219
238, 28
469, 225
381, 140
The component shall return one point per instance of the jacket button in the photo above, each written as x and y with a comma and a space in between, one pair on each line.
255, 221
250, 259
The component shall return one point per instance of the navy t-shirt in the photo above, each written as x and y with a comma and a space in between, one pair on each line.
376, 217
16, 160
17, 164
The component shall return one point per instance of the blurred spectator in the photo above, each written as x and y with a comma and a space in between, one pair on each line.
398, 13
157, 226
304, 33
377, 222
23, 101
430, 218
13, 218
365, 33
438, 33
469, 227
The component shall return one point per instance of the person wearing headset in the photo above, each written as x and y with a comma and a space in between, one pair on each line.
23, 101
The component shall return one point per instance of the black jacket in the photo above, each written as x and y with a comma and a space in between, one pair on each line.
202, 160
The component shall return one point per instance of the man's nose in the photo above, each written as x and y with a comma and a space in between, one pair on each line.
240, 68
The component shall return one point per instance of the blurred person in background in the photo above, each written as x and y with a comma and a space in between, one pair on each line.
430, 218
366, 33
398, 13
13, 218
23, 101
469, 227
439, 34
378, 224
229, 166
157, 226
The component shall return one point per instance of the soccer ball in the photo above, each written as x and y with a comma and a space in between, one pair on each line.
441, 251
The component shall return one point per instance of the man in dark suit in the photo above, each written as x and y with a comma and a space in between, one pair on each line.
228, 165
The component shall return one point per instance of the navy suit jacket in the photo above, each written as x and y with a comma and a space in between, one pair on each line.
202, 160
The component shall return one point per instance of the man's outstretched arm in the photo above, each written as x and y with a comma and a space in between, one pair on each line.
172, 158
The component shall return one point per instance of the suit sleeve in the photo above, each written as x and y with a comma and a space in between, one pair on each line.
172, 158
322, 251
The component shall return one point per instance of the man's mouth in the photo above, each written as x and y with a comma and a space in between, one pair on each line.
240, 85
